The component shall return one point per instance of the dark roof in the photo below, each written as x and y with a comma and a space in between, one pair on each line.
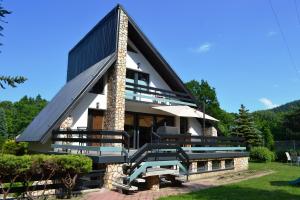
153, 56
88, 61
63, 102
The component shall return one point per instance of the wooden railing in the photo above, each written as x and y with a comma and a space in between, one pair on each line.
157, 95
91, 140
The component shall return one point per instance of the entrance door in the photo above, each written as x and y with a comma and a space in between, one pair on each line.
130, 128
145, 123
95, 122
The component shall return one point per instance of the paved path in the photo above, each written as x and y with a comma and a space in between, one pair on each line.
191, 186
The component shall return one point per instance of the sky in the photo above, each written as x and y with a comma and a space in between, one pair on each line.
237, 46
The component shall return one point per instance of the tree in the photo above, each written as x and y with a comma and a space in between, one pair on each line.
244, 127
8, 80
203, 92
291, 124
3, 127
19, 114
268, 138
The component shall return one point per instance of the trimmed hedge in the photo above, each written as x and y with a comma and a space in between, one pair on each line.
23, 168
261, 154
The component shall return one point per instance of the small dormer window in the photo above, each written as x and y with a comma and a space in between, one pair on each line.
98, 87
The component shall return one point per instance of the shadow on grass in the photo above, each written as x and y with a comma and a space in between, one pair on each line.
281, 183
236, 193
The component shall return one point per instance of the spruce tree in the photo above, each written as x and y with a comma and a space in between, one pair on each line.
244, 127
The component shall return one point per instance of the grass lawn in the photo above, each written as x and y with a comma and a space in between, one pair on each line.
271, 187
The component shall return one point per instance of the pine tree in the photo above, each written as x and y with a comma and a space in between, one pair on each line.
244, 127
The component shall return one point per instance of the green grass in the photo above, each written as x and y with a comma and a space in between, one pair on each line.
271, 187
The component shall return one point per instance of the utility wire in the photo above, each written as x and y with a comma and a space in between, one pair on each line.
284, 39
297, 11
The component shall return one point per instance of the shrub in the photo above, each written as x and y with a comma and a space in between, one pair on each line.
15, 148
261, 154
25, 168
11, 168
70, 166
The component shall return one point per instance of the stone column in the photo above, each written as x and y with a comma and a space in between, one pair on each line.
209, 165
152, 182
241, 164
115, 113
223, 164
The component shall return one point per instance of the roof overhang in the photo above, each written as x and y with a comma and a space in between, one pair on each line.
39, 130
185, 111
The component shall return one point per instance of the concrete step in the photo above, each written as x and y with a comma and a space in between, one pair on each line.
159, 172
121, 186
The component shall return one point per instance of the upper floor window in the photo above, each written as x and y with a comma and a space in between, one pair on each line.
137, 77
98, 87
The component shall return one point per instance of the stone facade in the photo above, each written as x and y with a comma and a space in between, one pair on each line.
115, 113
113, 173
240, 164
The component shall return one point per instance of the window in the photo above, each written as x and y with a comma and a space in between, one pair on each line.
137, 77
216, 164
229, 163
183, 125
98, 87
202, 166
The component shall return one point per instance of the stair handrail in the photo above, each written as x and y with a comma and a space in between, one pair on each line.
139, 156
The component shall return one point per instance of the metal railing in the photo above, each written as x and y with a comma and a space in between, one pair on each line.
157, 95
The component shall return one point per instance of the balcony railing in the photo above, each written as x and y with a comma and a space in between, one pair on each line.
91, 141
157, 96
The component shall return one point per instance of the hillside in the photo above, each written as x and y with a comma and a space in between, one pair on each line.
288, 107
283, 120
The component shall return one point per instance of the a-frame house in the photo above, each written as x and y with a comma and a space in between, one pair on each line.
122, 102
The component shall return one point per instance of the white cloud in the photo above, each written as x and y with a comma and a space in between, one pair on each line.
271, 33
267, 103
203, 48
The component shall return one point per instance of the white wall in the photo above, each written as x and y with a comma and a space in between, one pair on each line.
132, 63
194, 127
79, 114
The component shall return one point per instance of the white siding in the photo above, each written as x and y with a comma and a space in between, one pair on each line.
194, 127
79, 114
144, 66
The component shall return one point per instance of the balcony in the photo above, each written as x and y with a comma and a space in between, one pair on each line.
153, 95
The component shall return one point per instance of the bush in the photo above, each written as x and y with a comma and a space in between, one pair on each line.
15, 148
24, 168
70, 166
11, 168
261, 154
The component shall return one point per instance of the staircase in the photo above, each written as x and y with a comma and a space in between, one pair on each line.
154, 160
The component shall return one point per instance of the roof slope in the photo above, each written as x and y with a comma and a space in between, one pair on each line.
59, 107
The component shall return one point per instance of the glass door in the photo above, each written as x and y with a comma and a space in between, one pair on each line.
130, 128
145, 123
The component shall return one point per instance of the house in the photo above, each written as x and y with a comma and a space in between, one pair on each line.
126, 108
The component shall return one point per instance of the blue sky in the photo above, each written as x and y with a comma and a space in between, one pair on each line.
235, 45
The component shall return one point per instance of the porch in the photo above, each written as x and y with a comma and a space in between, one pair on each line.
106, 146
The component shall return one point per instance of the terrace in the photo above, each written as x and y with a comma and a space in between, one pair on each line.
143, 93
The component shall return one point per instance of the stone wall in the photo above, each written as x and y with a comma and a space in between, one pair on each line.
113, 173
115, 113
240, 164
